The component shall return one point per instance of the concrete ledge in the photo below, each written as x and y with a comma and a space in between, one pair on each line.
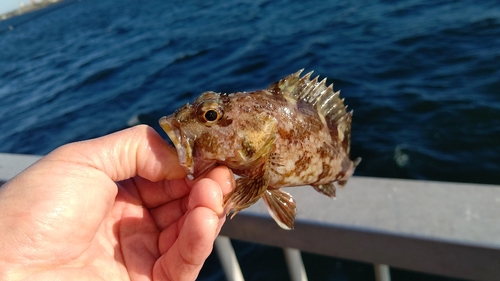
13, 164
435, 227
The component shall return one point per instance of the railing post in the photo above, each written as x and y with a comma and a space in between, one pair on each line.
228, 259
382, 272
295, 265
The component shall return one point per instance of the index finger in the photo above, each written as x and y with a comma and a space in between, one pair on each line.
155, 194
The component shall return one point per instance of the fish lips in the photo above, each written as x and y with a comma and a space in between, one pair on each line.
183, 143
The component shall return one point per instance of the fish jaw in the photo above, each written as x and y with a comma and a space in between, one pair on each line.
182, 143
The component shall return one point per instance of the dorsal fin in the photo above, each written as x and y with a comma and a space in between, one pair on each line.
327, 102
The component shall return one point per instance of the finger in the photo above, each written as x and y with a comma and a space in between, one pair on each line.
185, 258
134, 151
156, 194
222, 175
205, 193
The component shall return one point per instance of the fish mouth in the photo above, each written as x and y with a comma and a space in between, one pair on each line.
182, 143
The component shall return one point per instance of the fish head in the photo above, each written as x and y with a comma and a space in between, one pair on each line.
200, 132
220, 129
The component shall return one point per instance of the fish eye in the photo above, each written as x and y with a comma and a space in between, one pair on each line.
211, 115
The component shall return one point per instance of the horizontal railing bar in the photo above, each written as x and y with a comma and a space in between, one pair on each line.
13, 164
435, 227
454, 260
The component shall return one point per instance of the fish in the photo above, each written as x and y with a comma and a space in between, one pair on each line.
295, 132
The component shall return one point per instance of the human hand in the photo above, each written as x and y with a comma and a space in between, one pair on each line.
113, 208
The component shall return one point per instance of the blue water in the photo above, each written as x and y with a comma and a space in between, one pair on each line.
423, 77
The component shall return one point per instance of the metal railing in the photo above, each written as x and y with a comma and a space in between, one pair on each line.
450, 229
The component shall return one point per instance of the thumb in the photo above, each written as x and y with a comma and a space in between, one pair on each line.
122, 155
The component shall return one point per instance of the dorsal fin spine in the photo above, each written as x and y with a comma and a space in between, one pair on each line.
303, 84
325, 105
327, 102
309, 90
317, 92
323, 99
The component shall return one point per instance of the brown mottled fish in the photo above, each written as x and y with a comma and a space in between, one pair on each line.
295, 132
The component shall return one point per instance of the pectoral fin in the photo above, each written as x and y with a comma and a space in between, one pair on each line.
327, 189
248, 190
281, 207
